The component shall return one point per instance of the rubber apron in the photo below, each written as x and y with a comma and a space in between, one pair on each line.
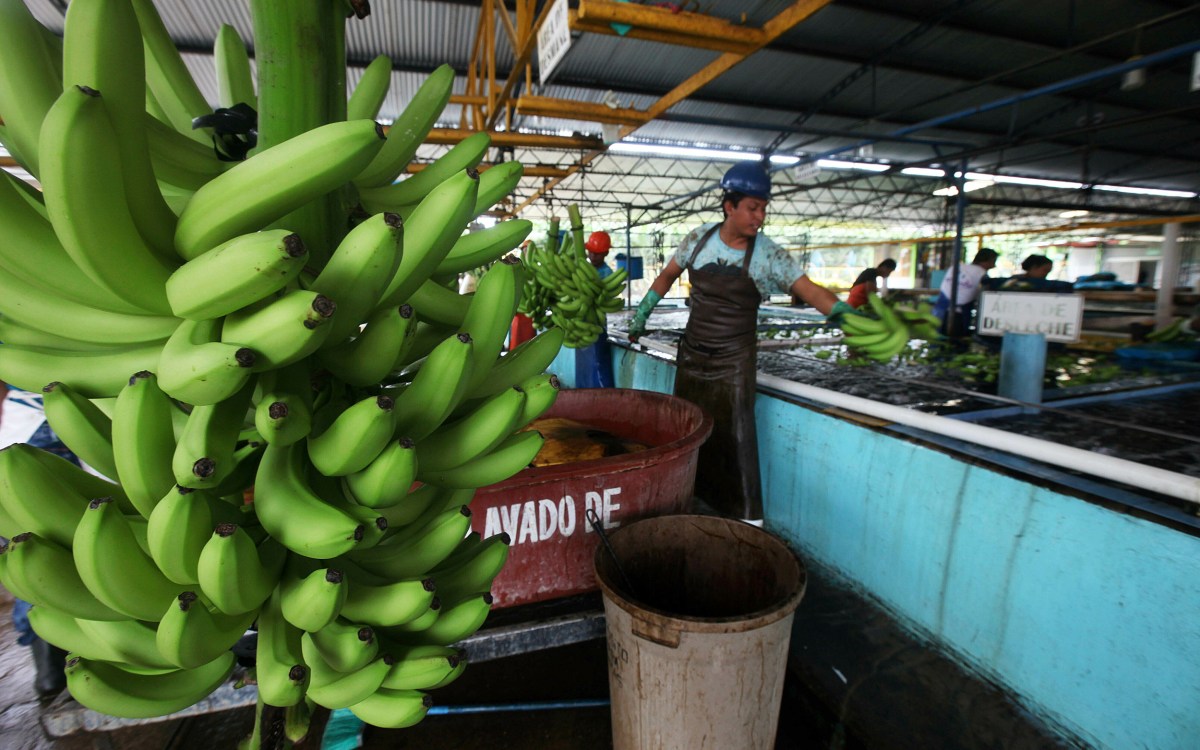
716, 370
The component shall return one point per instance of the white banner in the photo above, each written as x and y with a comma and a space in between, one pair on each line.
554, 39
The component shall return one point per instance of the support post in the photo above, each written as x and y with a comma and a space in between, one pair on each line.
1023, 368
1164, 304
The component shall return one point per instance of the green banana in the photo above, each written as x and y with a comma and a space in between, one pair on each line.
435, 389
387, 604
496, 182
372, 88
528, 359
369, 357
281, 331
432, 229
190, 636
355, 437
167, 75
386, 480
65, 631
81, 425
358, 271
393, 709
477, 249
235, 80
272, 183
94, 374
44, 574
473, 566
422, 667
511, 456
113, 566
177, 531
284, 412
489, 317
343, 645
409, 129
435, 303
30, 81
179, 161
235, 274
109, 689
234, 573
293, 514
541, 391
83, 482
196, 367
143, 441
88, 202
281, 673
311, 599
91, 32
32, 253
42, 309
203, 456
476, 433
456, 621
403, 196
333, 689
415, 549
36, 498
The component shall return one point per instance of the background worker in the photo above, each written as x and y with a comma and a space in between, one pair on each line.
885, 268
593, 363
732, 268
970, 281
1036, 268
597, 245
866, 283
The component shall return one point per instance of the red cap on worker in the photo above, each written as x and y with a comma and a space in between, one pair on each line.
598, 243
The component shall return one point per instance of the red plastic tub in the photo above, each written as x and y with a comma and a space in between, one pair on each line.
543, 509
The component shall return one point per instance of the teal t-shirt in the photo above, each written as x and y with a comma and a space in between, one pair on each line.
773, 269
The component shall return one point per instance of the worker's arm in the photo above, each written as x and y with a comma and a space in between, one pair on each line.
658, 288
816, 295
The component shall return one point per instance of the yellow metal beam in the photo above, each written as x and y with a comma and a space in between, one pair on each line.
544, 106
654, 35
528, 37
451, 136
682, 23
774, 28
530, 170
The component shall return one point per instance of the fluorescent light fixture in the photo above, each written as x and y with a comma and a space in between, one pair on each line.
923, 172
1030, 181
682, 152
969, 186
21, 174
859, 165
1145, 191
783, 160
1073, 214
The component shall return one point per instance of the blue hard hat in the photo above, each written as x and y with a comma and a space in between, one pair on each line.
748, 178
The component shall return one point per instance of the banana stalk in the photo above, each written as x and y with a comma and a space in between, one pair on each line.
295, 46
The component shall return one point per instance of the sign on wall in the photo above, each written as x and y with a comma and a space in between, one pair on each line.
1059, 317
554, 39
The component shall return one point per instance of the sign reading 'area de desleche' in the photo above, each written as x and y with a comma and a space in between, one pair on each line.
1059, 317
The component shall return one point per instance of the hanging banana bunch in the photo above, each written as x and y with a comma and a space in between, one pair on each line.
565, 290
291, 409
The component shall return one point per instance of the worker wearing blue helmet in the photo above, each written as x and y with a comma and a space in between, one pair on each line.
732, 268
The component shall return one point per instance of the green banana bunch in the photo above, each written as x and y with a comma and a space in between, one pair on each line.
264, 394
886, 334
564, 289
1173, 331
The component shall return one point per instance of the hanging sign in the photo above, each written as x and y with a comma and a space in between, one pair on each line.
1059, 317
554, 39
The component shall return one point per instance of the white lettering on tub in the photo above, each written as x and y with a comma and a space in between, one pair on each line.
543, 519
528, 523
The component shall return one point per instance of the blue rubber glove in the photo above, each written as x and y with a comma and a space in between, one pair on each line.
637, 326
840, 308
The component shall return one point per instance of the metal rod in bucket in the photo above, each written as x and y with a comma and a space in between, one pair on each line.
594, 519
